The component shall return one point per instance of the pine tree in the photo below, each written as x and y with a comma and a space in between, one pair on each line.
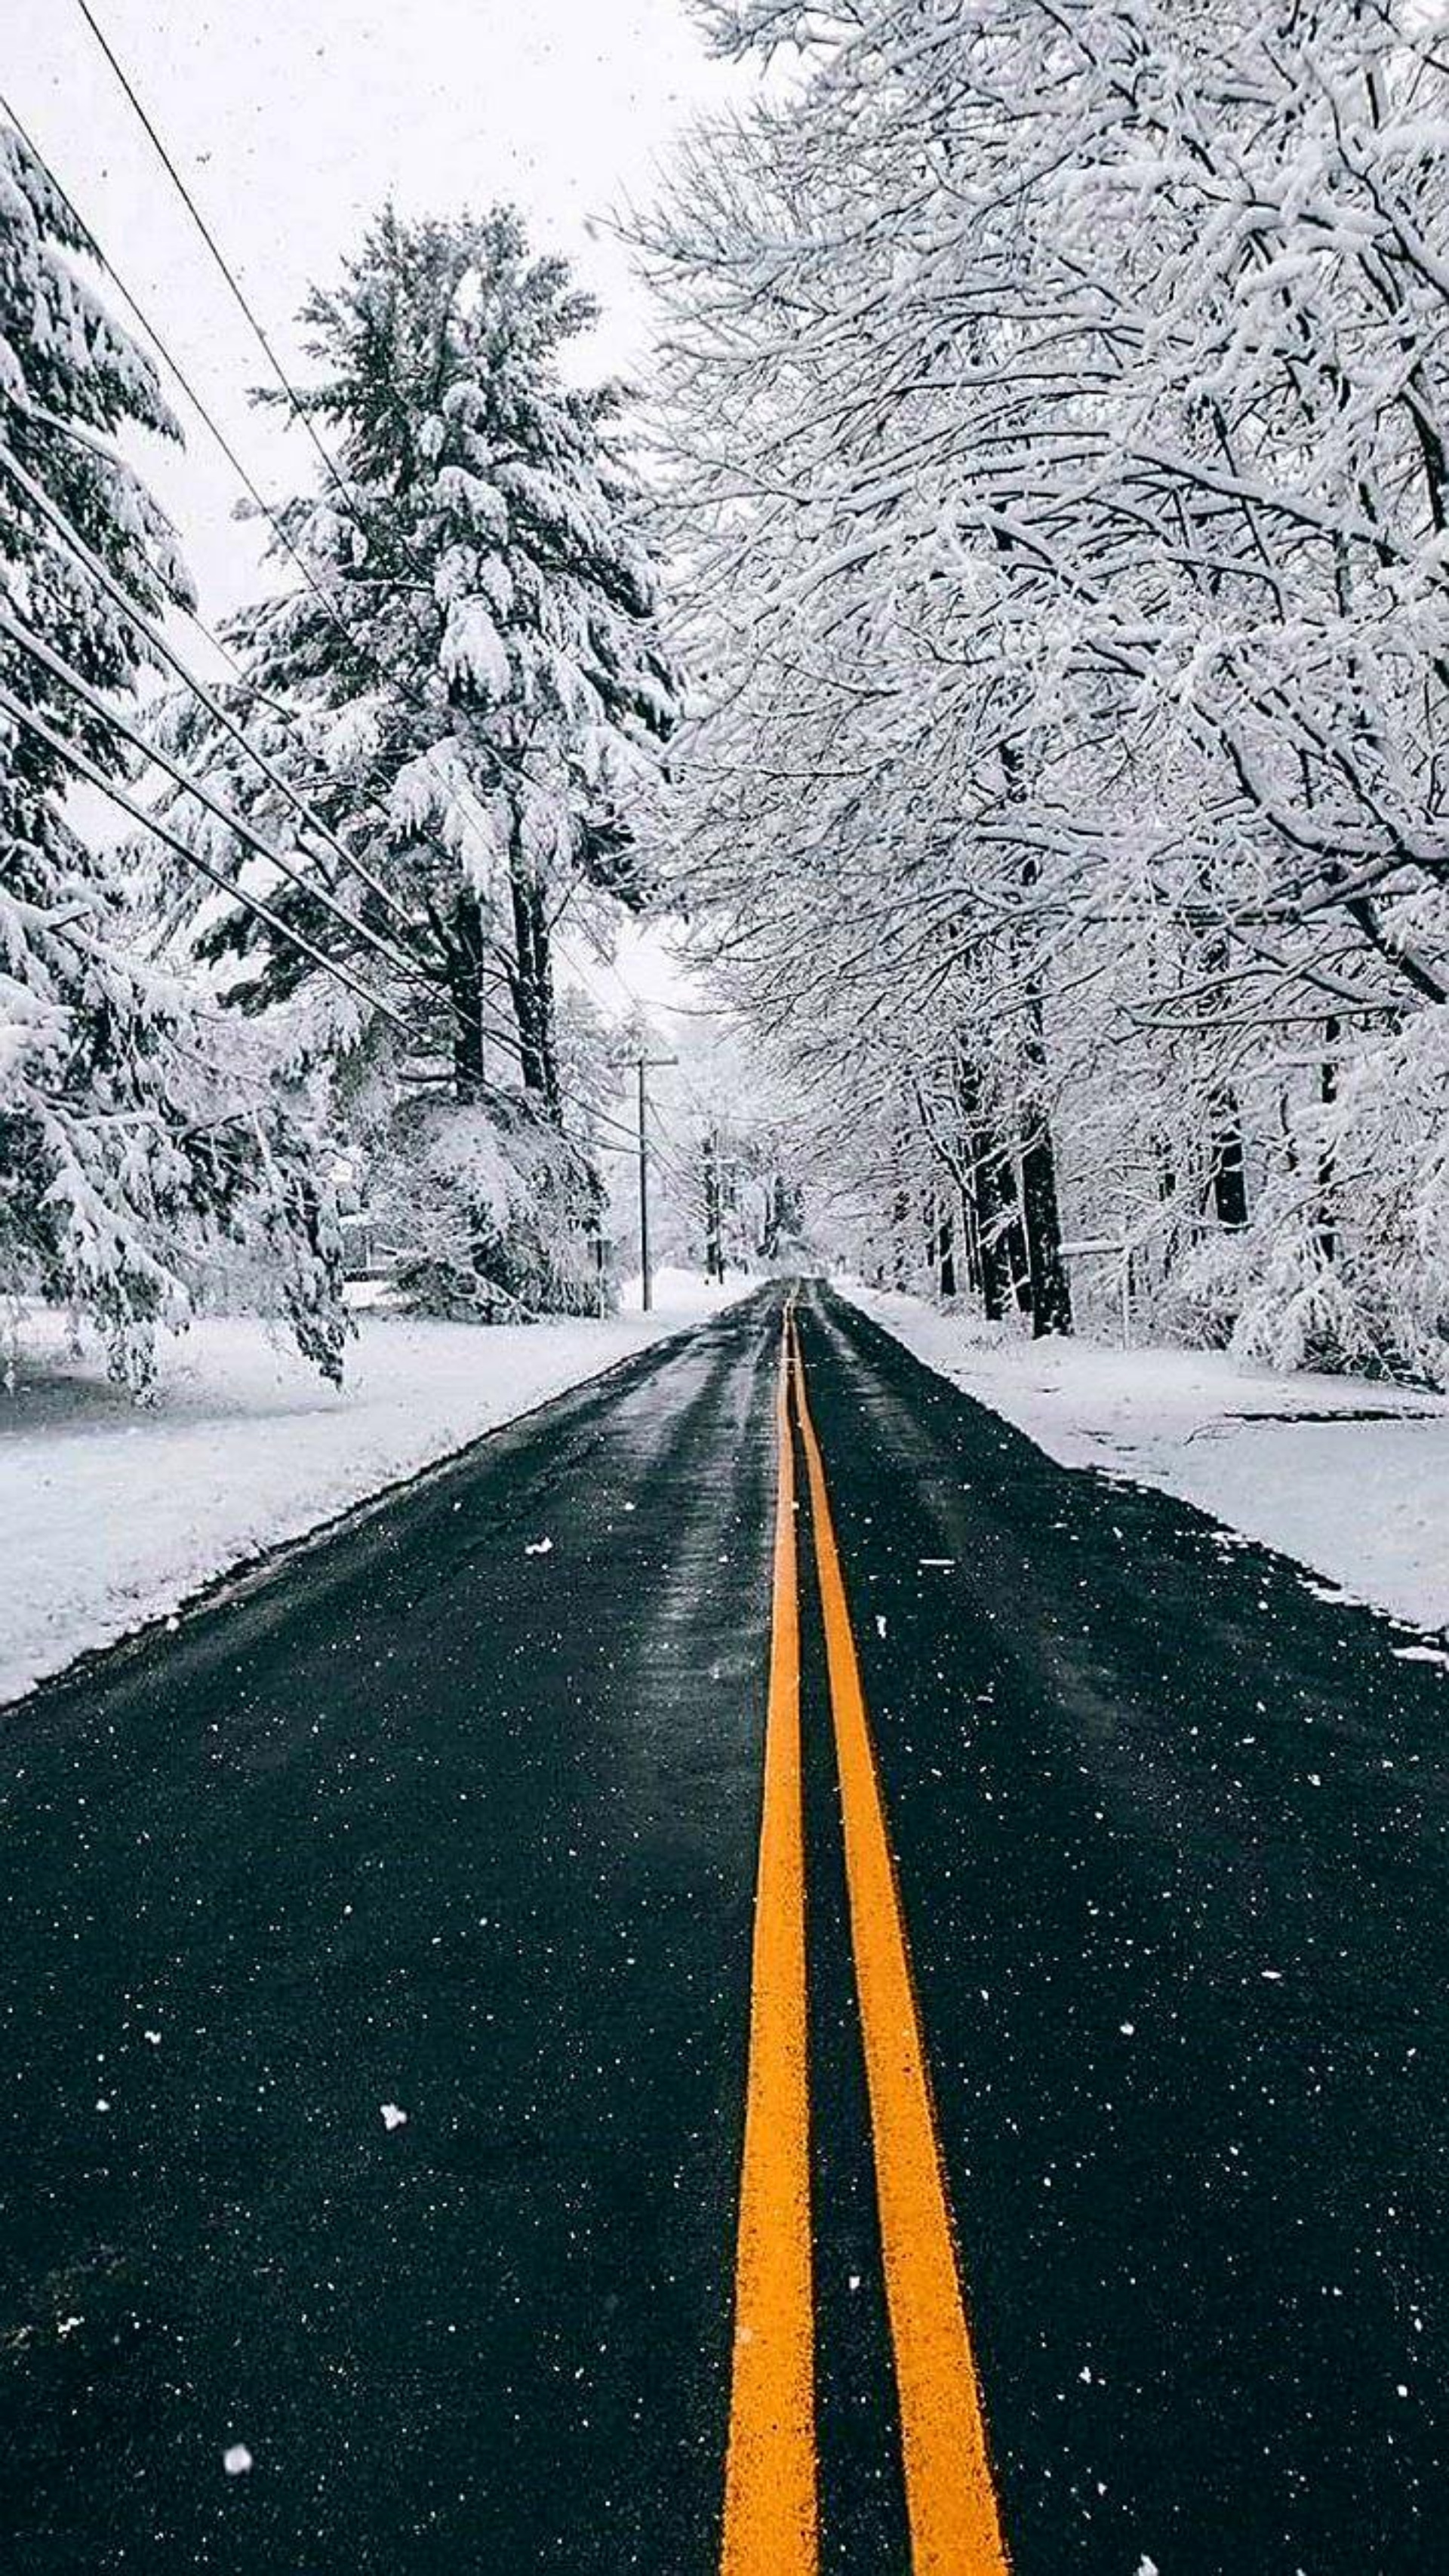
470, 682
143, 1131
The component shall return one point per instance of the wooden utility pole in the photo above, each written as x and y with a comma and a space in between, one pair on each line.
644, 1065
714, 1267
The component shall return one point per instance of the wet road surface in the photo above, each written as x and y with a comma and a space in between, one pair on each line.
458, 1814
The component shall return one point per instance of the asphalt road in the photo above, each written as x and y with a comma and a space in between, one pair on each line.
459, 1812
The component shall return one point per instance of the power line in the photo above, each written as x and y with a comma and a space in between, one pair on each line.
116, 591
349, 635
358, 644
628, 1137
628, 1143
299, 410
708, 1116
645, 1010
95, 776
684, 1177
677, 1166
13, 117
267, 509
41, 652
184, 778
646, 1018
84, 437
77, 546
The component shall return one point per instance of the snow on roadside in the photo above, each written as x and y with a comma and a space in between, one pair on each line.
1350, 1478
110, 1515
685, 1292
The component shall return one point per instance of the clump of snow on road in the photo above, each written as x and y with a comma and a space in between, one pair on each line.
113, 1515
1350, 1478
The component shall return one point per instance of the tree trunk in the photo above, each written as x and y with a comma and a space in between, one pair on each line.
465, 989
994, 1253
989, 1227
1327, 1191
531, 984
946, 1247
1050, 1288
900, 1220
1169, 1236
971, 1235
1229, 1168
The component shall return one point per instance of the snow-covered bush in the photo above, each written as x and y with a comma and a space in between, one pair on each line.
486, 1212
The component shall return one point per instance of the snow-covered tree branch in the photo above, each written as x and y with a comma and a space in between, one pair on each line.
1054, 413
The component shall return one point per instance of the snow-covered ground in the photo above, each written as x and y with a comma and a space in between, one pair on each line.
111, 1515
1351, 1479
683, 1293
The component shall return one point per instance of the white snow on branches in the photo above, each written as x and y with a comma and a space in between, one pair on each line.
1057, 409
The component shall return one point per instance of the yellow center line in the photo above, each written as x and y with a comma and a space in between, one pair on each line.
770, 2510
951, 2500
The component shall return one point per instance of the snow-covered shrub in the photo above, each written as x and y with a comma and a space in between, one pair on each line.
485, 1212
1352, 1266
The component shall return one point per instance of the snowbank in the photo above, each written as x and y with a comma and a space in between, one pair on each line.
110, 1516
686, 1292
1349, 1478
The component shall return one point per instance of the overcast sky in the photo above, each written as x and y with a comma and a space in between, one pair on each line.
293, 121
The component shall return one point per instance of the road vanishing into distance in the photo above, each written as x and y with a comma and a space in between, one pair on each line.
750, 1977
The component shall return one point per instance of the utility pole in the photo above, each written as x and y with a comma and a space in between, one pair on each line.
714, 1267
644, 1065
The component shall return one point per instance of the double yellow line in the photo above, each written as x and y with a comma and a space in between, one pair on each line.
771, 2516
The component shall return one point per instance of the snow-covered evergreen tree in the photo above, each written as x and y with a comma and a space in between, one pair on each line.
143, 1130
464, 668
